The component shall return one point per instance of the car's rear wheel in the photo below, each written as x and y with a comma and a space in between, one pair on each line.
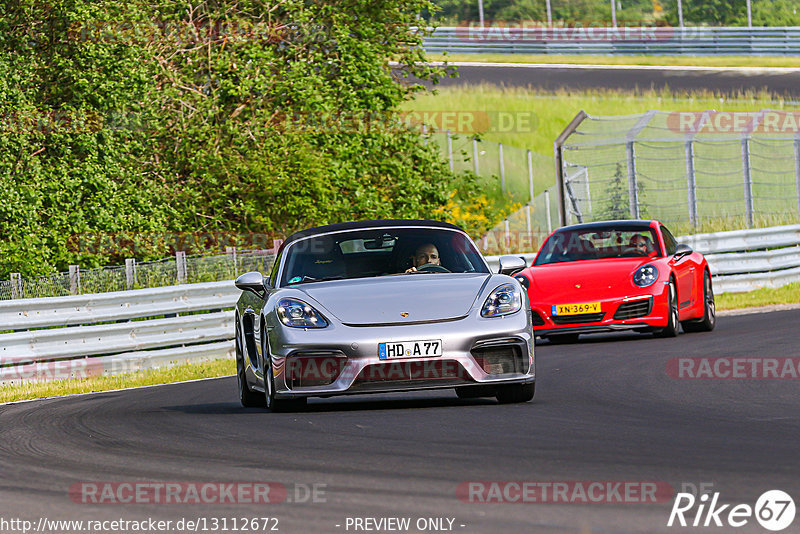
709, 319
563, 338
270, 401
511, 393
673, 325
248, 397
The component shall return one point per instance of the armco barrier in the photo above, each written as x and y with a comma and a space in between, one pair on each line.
740, 260
502, 38
108, 333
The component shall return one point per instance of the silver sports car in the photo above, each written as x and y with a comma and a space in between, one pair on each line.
382, 306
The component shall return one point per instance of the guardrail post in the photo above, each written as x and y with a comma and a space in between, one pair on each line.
475, 154
797, 169
691, 185
748, 181
507, 240
180, 262
502, 168
130, 273
633, 188
450, 150
16, 286
74, 280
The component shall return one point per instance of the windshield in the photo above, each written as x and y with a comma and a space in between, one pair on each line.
599, 243
369, 252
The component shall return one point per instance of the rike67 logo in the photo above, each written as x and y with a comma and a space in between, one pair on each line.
774, 510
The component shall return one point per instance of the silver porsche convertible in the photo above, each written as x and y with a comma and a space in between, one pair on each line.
382, 306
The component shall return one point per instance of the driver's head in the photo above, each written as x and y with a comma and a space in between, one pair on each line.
642, 243
427, 253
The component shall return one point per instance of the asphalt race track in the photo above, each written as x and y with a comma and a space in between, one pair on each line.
727, 81
605, 410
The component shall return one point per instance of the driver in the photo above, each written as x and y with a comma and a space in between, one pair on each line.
642, 243
426, 254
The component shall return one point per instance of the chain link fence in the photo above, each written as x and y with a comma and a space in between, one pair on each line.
181, 269
695, 171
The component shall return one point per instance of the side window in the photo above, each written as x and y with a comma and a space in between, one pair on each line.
669, 240
273, 275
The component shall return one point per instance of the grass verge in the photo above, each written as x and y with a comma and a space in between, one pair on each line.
671, 61
180, 373
788, 294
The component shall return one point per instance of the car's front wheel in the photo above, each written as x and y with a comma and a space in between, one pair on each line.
673, 326
510, 393
248, 397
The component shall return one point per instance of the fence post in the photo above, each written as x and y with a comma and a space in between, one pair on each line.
547, 210
231, 252
748, 181
633, 188
507, 240
475, 154
16, 286
797, 169
425, 134
180, 263
450, 150
502, 169
691, 185
74, 280
130, 273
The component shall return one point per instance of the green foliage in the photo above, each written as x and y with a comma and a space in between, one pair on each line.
617, 205
225, 116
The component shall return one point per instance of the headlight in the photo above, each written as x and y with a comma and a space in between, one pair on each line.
522, 281
504, 300
645, 275
293, 312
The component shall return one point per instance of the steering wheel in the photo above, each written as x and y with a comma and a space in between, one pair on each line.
432, 268
634, 251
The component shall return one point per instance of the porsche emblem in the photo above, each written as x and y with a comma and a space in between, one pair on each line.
403, 314
577, 286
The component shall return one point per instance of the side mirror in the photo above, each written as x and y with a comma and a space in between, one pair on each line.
682, 250
511, 264
252, 281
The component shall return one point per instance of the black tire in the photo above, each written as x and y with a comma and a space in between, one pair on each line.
512, 393
673, 325
272, 403
248, 397
709, 319
476, 392
557, 339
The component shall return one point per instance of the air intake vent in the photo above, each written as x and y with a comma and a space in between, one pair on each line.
637, 308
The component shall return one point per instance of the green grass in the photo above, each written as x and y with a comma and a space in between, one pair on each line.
678, 61
11, 392
788, 294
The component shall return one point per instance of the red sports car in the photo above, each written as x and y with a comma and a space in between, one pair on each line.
617, 275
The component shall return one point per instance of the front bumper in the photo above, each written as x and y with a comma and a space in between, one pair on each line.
470, 347
643, 312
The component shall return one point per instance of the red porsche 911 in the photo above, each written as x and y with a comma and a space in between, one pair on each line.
617, 275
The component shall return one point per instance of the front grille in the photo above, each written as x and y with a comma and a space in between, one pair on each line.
537, 319
416, 371
637, 308
313, 369
580, 318
499, 359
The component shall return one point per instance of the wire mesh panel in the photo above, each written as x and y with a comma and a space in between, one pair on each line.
696, 171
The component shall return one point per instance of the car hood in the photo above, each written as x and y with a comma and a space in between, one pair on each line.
560, 281
384, 300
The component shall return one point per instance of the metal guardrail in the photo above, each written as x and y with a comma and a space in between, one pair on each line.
109, 333
533, 39
740, 260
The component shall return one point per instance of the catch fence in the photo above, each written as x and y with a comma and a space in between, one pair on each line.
694, 171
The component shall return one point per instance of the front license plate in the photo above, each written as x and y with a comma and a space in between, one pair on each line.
576, 309
409, 349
